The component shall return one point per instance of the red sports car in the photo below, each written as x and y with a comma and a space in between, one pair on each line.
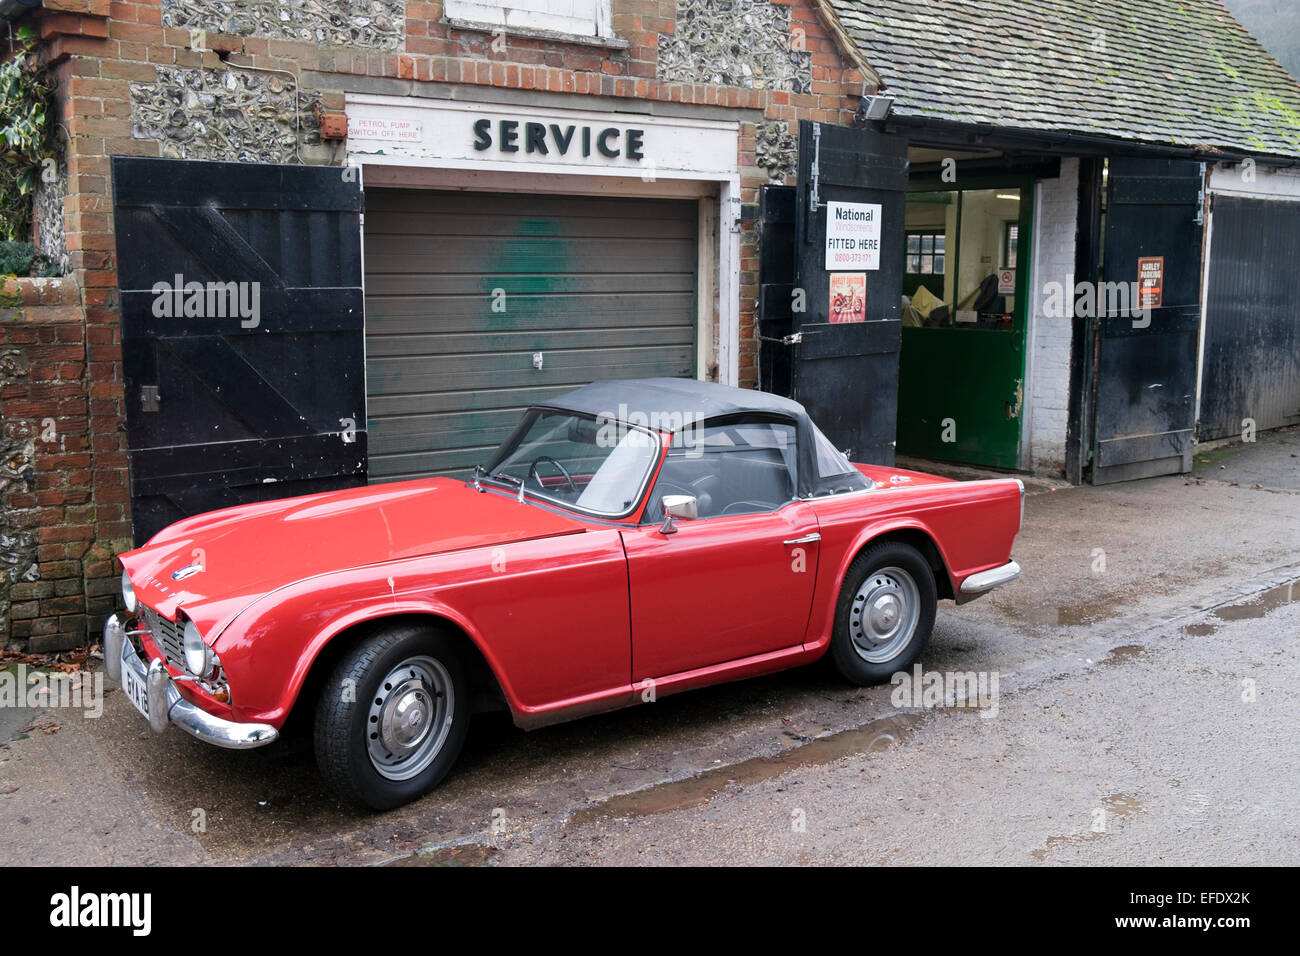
630, 539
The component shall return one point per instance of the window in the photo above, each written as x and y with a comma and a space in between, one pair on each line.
926, 253
736, 469
1010, 240
594, 466
577, 17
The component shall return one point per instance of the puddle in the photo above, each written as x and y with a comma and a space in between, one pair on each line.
467, 854
1068, 615
1247, 610
873, 737
1123, 653
15, 717
1115, 804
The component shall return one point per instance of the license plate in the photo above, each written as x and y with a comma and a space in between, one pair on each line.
135, 690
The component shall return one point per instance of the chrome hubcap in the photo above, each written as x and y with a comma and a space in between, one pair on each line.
409, 718
884, 615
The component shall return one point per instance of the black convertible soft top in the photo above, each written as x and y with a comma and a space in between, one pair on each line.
672, 404
665, 400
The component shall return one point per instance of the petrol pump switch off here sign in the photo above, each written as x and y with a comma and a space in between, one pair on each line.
852, 236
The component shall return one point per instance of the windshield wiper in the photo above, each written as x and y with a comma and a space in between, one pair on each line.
502, 476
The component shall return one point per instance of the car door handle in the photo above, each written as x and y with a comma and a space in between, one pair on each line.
806, 539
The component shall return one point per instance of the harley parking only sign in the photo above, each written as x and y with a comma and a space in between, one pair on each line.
852, 236
1151, 281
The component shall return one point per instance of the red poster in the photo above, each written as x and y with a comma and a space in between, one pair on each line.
848, 297
1151, 281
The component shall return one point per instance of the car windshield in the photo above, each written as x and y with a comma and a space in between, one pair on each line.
599, 467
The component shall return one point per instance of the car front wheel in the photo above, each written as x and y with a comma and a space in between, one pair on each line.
393, 716
885, 613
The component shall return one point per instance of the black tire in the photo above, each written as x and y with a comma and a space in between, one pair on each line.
345, 722
850, 656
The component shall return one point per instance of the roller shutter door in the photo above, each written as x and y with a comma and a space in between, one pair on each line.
462, 289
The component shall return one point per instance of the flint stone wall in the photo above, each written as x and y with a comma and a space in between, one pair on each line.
231, 114
745, 43
374, 24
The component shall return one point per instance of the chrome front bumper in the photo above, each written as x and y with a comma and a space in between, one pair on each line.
166, 705
977, 584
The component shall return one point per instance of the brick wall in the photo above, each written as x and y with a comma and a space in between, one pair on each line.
47, 515
114, 60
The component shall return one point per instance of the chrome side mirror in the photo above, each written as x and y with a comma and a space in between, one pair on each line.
678, 506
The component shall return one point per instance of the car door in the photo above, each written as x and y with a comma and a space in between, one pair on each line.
736, 581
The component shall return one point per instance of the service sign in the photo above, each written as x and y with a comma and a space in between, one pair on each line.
500, 137
852, 236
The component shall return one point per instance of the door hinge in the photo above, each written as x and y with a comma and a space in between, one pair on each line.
794, 339
815, 198
149, 398
1200, 199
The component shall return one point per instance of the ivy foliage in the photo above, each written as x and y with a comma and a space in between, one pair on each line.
26, 133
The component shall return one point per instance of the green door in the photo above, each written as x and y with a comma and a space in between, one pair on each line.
467, 294
961, 369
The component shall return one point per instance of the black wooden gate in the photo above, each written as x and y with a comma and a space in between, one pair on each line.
1251, 368
242, 333
845, 373
1145, 377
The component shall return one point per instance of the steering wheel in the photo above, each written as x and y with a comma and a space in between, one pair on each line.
532, 471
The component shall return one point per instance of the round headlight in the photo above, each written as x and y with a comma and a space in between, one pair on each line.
198, 656
128, 593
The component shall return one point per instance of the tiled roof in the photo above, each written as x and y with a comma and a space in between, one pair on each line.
1180, 72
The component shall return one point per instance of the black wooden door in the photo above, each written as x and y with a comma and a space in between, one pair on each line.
776, 290
846, 372
242, 333
1145, 379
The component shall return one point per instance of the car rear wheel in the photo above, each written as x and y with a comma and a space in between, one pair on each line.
885, 613
392, 717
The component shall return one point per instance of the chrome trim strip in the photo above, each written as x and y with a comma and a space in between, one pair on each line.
988, 580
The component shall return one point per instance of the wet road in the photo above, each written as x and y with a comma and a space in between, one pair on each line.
1120, 660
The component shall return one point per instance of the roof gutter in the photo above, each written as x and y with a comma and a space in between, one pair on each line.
1052, 141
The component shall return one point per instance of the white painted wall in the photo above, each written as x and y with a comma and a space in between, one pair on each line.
1257, 182
1047, 358
580, 17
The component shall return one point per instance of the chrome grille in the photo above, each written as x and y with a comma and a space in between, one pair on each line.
168, 635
